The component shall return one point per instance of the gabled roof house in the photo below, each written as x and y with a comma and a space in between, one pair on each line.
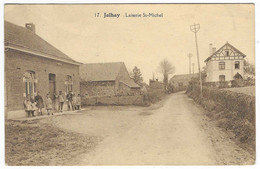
223, 64
32, 64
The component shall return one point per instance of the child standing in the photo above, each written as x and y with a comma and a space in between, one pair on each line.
78, 102
48, 104
74, 102
33, 106
61, 101
27, 106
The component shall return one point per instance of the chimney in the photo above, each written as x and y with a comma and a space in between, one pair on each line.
213, 50
30, 26
210, 49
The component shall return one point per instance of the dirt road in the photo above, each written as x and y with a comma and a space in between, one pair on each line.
175, 133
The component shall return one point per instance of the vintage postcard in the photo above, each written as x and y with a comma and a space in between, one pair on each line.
129, 84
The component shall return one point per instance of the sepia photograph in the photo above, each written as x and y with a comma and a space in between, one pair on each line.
129, 84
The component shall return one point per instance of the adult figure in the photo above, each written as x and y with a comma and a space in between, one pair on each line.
69, 99
39, 103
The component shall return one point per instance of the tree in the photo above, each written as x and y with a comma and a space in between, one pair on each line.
166, 68
249, 68
137, 76
131, 74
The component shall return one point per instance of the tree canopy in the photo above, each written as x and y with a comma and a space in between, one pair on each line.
137, 75
166, 68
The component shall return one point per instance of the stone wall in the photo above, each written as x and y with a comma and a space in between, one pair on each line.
113, 100
99, 89
105, 93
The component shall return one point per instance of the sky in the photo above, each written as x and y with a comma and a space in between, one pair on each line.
143, 42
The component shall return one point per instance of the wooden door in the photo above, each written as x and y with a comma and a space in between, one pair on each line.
52, 86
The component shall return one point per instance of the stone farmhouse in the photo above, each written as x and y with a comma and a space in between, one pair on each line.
31, 65
224, 64
106, 79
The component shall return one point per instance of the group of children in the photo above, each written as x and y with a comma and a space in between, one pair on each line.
73, 101
32, 104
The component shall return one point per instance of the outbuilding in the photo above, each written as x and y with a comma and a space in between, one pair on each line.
106, 79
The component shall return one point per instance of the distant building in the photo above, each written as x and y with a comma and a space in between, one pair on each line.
180, 82
31, 65
224, 64
106, 79
155, 84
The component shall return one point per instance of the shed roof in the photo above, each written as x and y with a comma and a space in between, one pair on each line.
23, 38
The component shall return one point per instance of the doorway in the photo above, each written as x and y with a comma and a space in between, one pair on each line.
52, 86
222, 78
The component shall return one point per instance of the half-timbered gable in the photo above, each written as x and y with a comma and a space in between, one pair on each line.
226, 52
224, 63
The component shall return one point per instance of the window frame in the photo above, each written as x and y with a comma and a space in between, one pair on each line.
222, 65
69, 84
237, 62
30, 83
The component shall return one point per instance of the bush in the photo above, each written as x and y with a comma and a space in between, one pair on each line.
155, 95
249, 82
237, 83
223, 84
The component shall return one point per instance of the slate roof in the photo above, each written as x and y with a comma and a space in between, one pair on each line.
103, 72
100, 71
21, 37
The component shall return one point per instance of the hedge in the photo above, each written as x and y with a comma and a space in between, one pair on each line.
241, 103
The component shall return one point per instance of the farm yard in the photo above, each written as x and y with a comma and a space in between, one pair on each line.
249, 90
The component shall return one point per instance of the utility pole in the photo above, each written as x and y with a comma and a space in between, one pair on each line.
195, 28
189, 55
193, 68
